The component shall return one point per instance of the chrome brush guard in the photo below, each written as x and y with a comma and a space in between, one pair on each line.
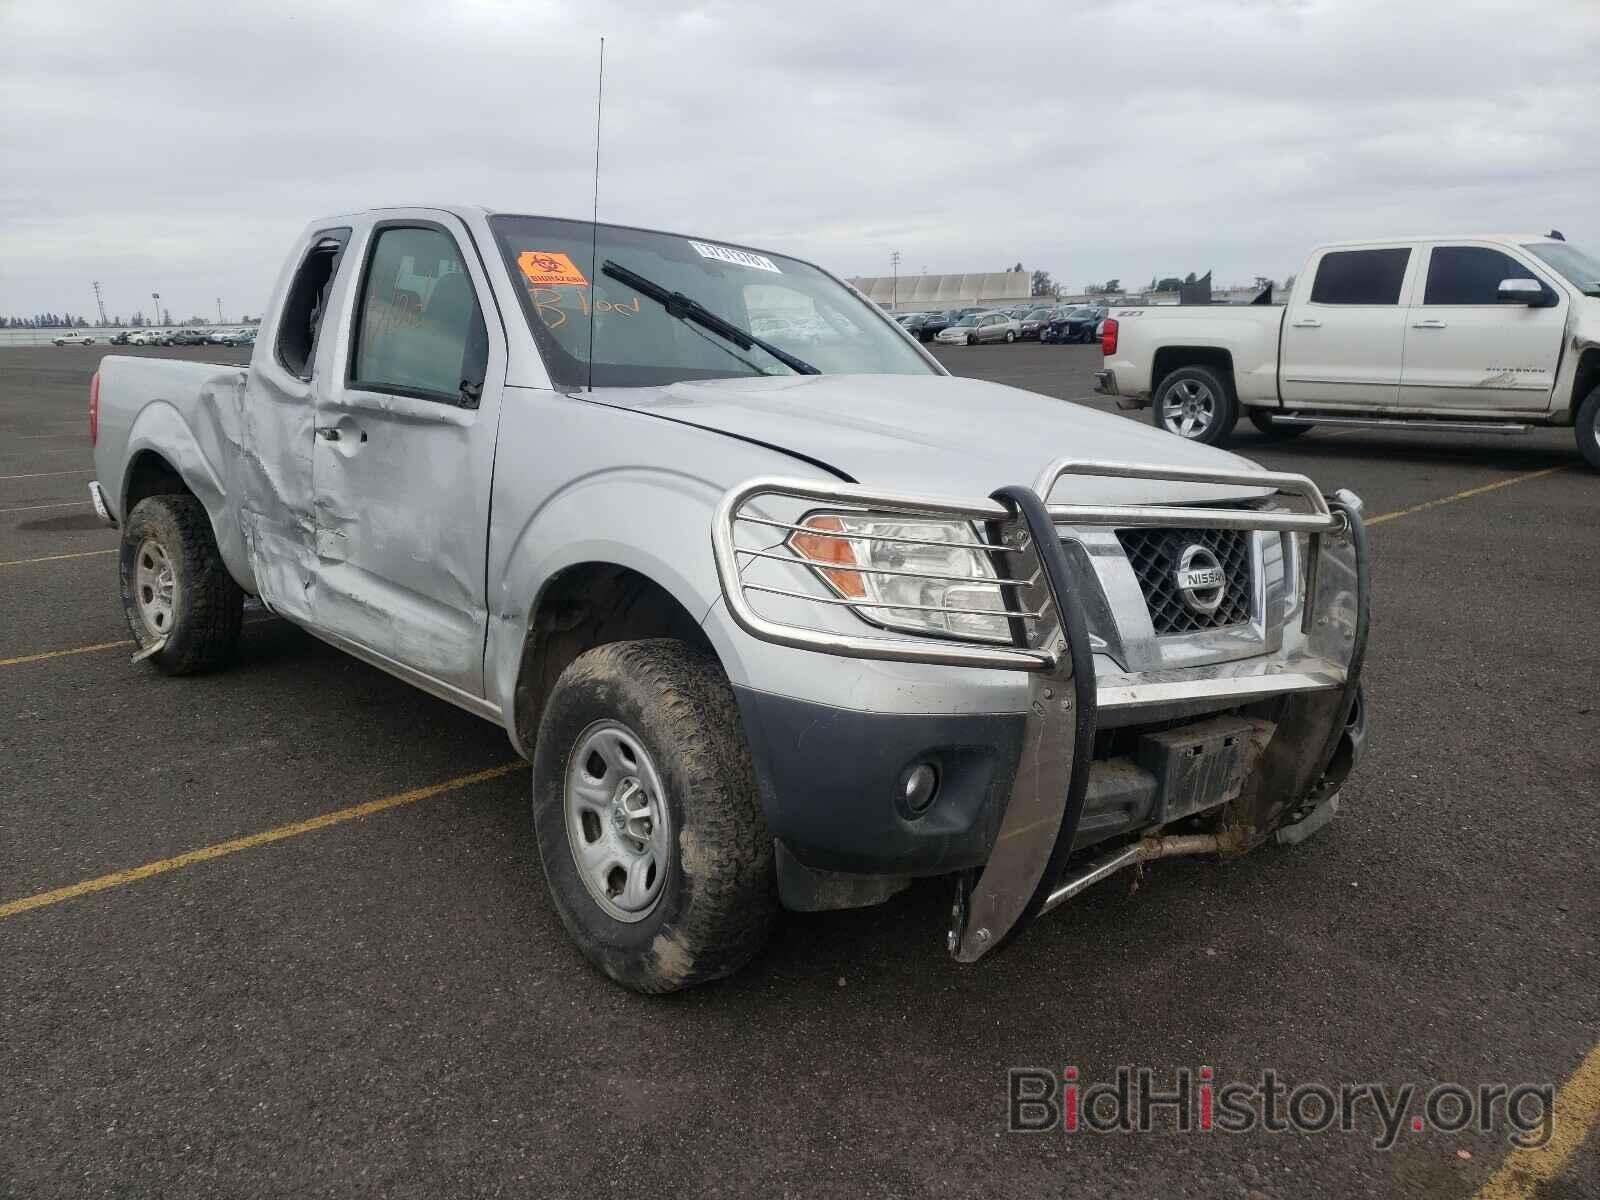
1017, 530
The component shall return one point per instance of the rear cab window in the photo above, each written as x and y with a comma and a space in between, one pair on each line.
306, 302
1361, 277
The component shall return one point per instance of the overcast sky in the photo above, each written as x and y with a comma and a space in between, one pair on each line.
180, 147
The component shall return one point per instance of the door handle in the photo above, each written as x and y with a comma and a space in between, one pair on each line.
1308, 323
1431, 323
328, 433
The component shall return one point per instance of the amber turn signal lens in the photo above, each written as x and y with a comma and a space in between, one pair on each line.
820, 549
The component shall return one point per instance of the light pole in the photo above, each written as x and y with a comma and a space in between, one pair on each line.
894, 294
219, 311
155, 318
100, 302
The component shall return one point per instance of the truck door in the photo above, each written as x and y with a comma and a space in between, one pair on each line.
1466, 349
404, 453
1343, 345
274, 490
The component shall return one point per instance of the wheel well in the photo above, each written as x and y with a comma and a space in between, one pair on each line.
1586, 379
585, 606
1169, 358
151, 475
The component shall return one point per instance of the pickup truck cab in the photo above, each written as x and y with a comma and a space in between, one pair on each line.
1491, 333
72, 338
778, 623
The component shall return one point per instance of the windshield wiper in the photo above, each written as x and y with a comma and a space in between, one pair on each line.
686, 308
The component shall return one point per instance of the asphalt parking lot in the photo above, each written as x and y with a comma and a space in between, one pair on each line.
388, 1005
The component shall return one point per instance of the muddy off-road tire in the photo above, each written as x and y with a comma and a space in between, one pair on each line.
174, 586
649, 823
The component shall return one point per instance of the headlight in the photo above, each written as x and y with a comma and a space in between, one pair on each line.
914, 575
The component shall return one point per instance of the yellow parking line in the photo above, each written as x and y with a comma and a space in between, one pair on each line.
31, 658
249, 841
1468, 494
1577, 1112
32, 507
49, 474
22, 562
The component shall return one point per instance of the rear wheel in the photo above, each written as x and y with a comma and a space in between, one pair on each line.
1264, 420
1011, 335
649, 825
1588, 429
176, 592
1196, 404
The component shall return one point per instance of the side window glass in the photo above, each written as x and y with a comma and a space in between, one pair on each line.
304, 303
1360, 277
1470, 275
419, 329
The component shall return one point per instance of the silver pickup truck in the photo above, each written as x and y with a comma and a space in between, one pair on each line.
781, 621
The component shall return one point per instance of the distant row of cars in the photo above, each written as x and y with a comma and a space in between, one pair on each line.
972, 326
244, 336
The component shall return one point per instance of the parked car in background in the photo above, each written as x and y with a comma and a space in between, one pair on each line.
240, 337
1032, 324
1491, 333
1074, 324
119, 339
145, 337
184, 337
72, 337
981, 327
932, 323
744, 682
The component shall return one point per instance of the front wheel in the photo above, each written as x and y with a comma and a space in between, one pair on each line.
1268, 423
1011, 336
1196, 404
648, 819
972, 339
176, 592
1588, 429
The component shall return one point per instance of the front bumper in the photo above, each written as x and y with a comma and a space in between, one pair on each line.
1029, 791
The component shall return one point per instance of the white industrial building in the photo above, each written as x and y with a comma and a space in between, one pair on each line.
932, 293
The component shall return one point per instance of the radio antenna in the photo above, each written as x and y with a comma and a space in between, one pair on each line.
594, 224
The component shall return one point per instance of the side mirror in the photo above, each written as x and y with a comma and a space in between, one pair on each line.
1521, 291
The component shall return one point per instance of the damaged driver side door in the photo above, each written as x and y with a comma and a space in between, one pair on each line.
403, 459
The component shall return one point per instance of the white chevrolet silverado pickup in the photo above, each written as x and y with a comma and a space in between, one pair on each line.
1494, 333
782, 618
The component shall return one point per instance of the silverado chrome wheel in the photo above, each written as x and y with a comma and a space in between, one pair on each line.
1188, 408
618, 824
155, 587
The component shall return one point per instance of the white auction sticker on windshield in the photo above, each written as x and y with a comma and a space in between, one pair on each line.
739, 258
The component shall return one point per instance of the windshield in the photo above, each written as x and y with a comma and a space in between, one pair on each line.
638, 343
1578, 267
969, 319
1038, 314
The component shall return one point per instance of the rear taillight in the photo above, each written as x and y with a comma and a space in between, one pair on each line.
1108, 336
94, 408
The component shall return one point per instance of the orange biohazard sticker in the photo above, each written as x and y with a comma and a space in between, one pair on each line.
549, 269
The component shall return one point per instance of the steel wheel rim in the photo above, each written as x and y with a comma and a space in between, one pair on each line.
619, 827
1188, 408
155, 588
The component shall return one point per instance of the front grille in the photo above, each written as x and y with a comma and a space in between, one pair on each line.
1155, 553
